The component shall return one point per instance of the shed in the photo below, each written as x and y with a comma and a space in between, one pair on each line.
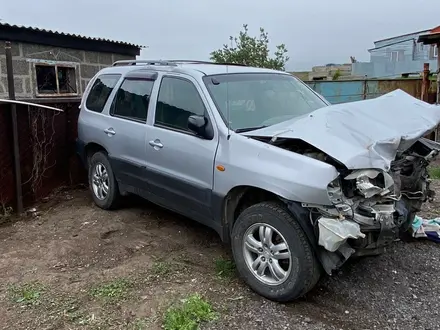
51, 64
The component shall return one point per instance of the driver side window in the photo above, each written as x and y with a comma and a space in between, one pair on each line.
178, 99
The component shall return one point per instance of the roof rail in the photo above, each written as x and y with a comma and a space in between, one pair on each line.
204, 62
169, 62
144, 62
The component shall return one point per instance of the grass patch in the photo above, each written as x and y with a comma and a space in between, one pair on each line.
161, 268
112, 291
225, 268
434, 173
189, 314
138, 324
27, 294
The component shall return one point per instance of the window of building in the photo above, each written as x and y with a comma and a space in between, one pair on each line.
421, 48
178, 99
435, 51
100, 91
397, 55
132, 99
55, 80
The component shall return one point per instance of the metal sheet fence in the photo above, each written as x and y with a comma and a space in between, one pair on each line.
355, 90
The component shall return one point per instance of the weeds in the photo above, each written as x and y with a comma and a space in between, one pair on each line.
189, 314
224, 268
161, 268
5, 212
434, 173
27, 294
138, 324
112, 291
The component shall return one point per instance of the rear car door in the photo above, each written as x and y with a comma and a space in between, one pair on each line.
126, 128
179, 163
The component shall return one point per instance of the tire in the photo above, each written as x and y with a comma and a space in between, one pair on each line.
109, 200
302, 270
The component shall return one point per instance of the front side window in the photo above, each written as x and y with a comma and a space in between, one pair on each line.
253, 100
100, 91
132, 99
178, 99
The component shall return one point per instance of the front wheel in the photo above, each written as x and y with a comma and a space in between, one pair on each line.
272, 252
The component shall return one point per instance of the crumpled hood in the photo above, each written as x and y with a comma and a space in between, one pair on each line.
362, 134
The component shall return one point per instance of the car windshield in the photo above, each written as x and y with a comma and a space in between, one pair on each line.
256, 100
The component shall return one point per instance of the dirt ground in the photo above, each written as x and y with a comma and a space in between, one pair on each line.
74, 266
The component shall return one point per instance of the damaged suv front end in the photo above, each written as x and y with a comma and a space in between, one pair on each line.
378, 149
371, 207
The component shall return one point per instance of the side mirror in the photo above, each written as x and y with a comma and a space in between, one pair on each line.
200, 126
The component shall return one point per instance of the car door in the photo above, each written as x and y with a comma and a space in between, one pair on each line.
126, 129
179, 163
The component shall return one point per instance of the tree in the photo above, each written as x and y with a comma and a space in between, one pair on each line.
251, 51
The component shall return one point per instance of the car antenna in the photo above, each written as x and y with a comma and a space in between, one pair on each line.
227, 101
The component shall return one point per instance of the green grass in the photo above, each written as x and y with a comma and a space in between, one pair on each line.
112, 291
189, 314
224, 268
27, 294
161, 268
434, 172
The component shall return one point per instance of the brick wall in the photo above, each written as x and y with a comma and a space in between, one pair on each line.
26, 56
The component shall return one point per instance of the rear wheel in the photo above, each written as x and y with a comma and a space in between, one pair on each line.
272, 252
102, 182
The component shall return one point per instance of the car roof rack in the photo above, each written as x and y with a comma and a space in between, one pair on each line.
168, 62
144, 62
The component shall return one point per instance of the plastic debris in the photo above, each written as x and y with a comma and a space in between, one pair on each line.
333, 233
424, 228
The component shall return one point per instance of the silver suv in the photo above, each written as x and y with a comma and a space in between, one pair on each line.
294, 185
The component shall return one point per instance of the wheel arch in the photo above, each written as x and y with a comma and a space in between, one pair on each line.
92, 148
237, 200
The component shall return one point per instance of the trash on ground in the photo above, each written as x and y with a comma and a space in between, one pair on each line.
424, 228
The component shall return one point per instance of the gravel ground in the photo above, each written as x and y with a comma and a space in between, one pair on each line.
72, 246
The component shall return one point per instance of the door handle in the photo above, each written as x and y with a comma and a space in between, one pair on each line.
156, 144
110, 131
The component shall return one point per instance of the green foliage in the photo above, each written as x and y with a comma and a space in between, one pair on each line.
434, 173
112, 291
224, 268
189, 314
27, 294
251, 51
336, 75
161, 268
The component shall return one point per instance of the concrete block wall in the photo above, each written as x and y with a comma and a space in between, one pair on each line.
25, 56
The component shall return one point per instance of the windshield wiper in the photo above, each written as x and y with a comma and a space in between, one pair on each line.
247, 129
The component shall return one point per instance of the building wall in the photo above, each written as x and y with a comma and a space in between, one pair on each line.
410, 58
26, 56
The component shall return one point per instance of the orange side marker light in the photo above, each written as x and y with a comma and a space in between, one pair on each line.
221, 168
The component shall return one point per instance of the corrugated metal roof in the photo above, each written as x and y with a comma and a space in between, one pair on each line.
30, 28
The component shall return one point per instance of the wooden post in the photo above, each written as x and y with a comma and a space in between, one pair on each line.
425, 82
16, 150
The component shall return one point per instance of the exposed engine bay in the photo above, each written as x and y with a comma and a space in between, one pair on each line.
371, 207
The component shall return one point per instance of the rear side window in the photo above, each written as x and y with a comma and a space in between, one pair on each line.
178, 99
100, 91
132, 99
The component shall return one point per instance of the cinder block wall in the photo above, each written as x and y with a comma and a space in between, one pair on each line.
25, 56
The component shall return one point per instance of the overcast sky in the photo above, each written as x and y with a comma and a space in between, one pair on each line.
316, 32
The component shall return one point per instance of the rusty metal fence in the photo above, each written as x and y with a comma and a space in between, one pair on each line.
47, 151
